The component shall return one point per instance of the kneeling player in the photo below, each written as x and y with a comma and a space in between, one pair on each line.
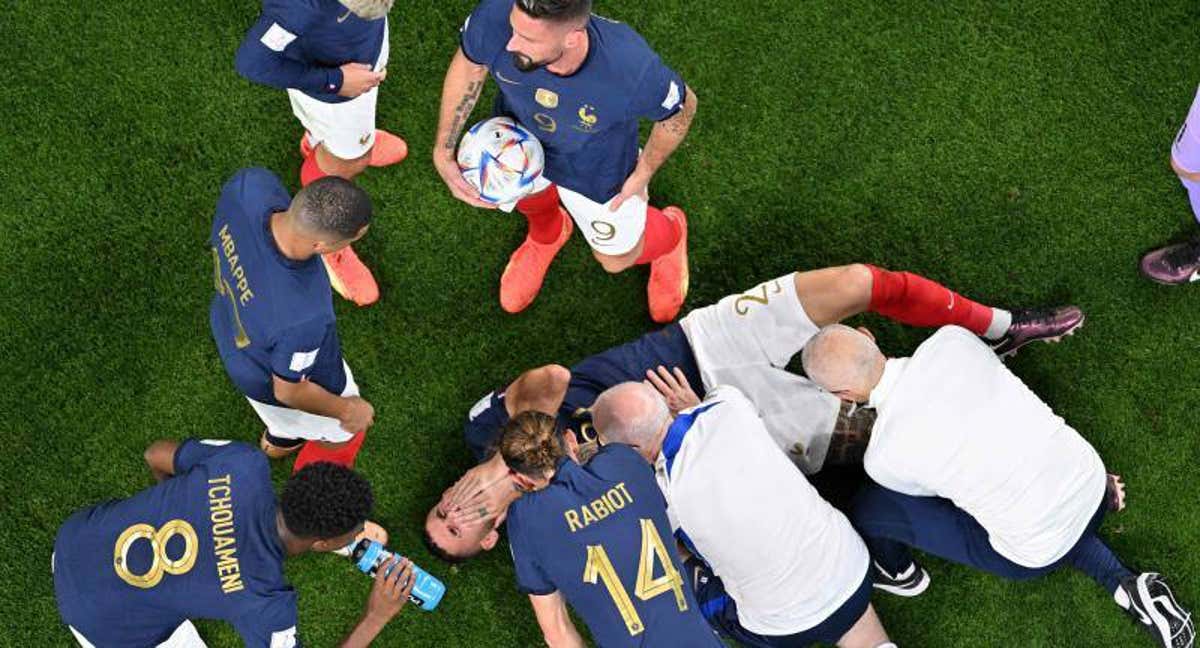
745, 340
607, 521
209, 542
970, 465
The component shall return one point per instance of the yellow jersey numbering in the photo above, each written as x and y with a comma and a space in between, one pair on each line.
615, 499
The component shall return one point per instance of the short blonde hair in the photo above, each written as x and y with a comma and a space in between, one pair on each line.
369, 9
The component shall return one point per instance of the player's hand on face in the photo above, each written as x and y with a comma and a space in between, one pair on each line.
462, 490
447, 167
357, 416
481, 507
674, 386
358, 78
393, 583
637, 184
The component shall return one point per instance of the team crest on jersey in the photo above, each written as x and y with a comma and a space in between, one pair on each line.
546, 98
587, 118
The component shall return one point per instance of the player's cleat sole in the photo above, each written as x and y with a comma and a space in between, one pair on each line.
371, 531
669, 275
1039, 325
389, 149
913, 581
276, 452
1147, 599
350, 277
527, 267
1173, 265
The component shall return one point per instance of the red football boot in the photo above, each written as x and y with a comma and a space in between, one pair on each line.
350, 278
668, 285
522, 278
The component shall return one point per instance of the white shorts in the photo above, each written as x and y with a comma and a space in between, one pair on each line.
1186, 149
185, 636
608, 233
346, 129
746, 340
288, 423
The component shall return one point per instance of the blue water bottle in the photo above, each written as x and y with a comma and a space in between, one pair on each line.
427, 591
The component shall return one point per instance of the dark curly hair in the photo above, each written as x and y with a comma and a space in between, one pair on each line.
560, 11
334, 207
325, 500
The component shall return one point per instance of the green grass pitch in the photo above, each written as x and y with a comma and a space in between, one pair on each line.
1014, 150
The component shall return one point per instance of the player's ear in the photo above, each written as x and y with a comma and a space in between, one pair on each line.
867, 332
489, 541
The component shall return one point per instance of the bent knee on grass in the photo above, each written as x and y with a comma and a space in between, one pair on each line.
830, 295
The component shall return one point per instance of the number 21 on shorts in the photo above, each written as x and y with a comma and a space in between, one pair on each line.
600, 568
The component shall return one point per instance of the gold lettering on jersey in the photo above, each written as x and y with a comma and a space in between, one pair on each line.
546, 98
220, 513
587, 118
229, 248
614, 500
545, 122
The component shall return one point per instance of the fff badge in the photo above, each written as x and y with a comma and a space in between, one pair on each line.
546, 98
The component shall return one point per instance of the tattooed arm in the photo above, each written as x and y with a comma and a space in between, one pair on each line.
665, 137
460, 91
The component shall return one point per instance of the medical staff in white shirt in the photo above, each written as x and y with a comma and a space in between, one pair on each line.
774, 563
970, 465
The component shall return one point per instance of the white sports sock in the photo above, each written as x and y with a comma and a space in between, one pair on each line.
1001, 320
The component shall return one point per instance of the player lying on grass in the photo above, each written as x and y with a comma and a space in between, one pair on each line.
1179, 263
792, 571
208, 542
970, 465
581, 83
605, 520
745, 340
272, 315
331, 57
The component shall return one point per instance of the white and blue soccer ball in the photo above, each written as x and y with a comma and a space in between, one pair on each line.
501, 159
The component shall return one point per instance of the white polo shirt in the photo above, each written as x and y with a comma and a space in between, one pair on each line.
786, 556
954, 422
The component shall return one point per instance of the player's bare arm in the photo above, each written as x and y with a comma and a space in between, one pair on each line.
665, 137
557, 628
388, 596
355, 414
460, 91
160, 457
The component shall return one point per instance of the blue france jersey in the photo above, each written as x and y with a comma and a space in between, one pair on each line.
668, 347
201, 545
271, 316
599, 534
588, 121
302, 44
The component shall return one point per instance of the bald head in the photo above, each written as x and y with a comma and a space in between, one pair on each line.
632, 413
843, 361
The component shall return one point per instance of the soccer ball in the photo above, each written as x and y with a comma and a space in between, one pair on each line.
501, 159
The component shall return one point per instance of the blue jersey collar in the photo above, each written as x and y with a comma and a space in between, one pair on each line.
678, 430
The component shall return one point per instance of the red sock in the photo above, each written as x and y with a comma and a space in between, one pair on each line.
917, 301
545, 219
660, 237
310, 171
341, 455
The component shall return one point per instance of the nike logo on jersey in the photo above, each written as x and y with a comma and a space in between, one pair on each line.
345, 17
504, 80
